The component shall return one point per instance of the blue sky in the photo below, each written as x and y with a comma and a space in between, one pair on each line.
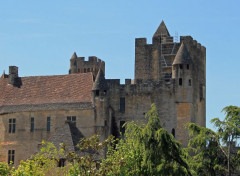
40, 36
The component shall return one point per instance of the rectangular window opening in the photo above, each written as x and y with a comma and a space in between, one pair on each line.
11, 156
61, 162
48, 123
12, 126
122, 127
180, 66
73, 119
32, 124
188, 66
190, 82
180, 81
122, 104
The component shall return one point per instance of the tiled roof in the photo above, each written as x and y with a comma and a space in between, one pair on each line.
37, 90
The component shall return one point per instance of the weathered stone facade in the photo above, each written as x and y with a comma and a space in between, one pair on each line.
170, 74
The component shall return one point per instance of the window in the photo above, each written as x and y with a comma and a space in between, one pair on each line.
190, 82
188, 66
122, 104
97, 92
180, 81
11, 156
85, 70
32, 124
78, 70
12, 126
48, 123
61, 162
122, 127
201, 92
173, 132
181, 66
72, 119
88, 70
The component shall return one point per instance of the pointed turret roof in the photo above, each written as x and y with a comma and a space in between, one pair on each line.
74, 56
100, 82
162, 30
182, 56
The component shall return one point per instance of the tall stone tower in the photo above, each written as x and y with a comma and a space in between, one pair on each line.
181, 70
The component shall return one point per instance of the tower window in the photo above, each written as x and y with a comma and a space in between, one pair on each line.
122, 127
12, 126
73, 119
180, 81
78, 70
85, 70
32, 124
11, 156
48, 123
201, 92
97, 92
88, 70
181, 66
190, 82
122, 104
188, 66
173, 132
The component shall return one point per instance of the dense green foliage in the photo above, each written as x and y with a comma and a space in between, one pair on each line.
145, 149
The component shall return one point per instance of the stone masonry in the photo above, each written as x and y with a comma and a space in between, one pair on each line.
170, 74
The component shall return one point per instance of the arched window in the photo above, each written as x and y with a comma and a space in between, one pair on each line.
173, 132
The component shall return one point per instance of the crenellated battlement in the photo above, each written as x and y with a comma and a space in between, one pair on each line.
188, 40
138, 86
79, 65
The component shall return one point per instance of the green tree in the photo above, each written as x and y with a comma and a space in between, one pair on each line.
147, 150
42, 163
228, 131
208, 157
4, 169
86, 161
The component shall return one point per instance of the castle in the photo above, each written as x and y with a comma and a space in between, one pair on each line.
64, 108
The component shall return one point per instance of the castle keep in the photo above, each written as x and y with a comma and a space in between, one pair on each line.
64, 108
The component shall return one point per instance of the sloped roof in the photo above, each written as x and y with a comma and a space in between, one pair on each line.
74, 56
36, 90
162, 30
68, 134
100, 82
182, 56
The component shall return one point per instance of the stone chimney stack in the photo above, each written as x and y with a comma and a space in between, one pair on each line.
13, 75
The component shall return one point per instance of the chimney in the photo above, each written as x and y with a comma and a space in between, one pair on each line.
13, 76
